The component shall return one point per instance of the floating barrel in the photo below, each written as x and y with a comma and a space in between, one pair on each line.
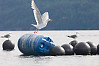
57, 50
68, 49
33, 44
93, 48
8, 45
82, 48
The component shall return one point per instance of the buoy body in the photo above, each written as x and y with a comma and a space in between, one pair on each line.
33, 44
73, 43
98, 49
68, 49
57, 50
8, 45
82, 48
93, 48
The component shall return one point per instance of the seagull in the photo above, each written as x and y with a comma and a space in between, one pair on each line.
41, 20
73, 36
6, 36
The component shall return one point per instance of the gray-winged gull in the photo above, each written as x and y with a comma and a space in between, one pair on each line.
41, 20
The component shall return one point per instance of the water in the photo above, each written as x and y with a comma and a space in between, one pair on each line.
15, 58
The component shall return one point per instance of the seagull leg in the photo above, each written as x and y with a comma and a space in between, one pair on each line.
37, 30
34, 32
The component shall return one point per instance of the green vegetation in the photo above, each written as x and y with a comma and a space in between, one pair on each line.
66, 14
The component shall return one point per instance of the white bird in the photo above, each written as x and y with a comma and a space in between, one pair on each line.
41, 20
7, 36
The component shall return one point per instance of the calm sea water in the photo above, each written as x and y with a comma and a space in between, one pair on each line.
14, 58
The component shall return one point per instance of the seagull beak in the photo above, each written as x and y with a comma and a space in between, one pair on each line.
50, 20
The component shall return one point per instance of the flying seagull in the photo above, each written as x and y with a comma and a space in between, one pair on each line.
7, 36
41, 20
73, 36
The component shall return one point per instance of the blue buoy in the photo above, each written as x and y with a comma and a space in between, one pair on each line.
33, 44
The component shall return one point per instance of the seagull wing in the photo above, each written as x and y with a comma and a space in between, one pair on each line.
37, 14
45, 17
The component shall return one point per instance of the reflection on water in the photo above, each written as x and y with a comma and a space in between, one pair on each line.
36, 59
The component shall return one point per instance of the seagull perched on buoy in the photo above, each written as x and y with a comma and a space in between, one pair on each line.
7, 36
41, 20
73, 36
